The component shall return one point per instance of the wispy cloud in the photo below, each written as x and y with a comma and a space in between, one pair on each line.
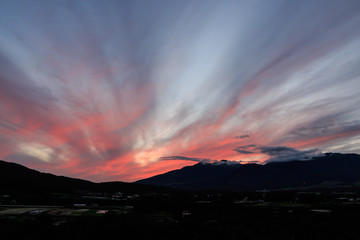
105, 90
243, 151
242, 136
186, 159
279, 153
282, 153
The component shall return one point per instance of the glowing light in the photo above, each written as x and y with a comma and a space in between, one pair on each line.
37, 150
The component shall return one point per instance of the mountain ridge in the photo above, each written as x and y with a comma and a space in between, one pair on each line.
335, 167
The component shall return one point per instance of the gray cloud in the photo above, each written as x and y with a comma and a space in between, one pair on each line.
283, 153
275, 151
327, 127
278, 153
242, 136
243, 151
186, 159
249, 162
247, 149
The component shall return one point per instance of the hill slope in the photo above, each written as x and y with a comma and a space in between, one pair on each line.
15, 178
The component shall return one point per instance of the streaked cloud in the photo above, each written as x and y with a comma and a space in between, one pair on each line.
186, 159
243, 151
104, 90
282, 153
278, 153
242, 136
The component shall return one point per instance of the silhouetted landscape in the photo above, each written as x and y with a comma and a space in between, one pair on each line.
331, 170
314, 199
180, 119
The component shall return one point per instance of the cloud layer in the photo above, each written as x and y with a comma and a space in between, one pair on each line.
278, 153
107, 90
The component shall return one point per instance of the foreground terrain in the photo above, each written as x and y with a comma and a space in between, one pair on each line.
286, 215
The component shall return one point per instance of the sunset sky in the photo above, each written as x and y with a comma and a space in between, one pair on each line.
123, 90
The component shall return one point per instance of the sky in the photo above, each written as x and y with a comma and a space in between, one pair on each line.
124, 90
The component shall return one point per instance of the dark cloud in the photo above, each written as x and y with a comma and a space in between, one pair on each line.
275, 151
247, 149
249, 162
283, 153
186, 159
247, 146
278, 153
243, 151
242, 136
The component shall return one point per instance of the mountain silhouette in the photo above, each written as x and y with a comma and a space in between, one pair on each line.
333, 168
15, 178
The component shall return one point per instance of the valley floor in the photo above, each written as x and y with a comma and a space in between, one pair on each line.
169, 218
